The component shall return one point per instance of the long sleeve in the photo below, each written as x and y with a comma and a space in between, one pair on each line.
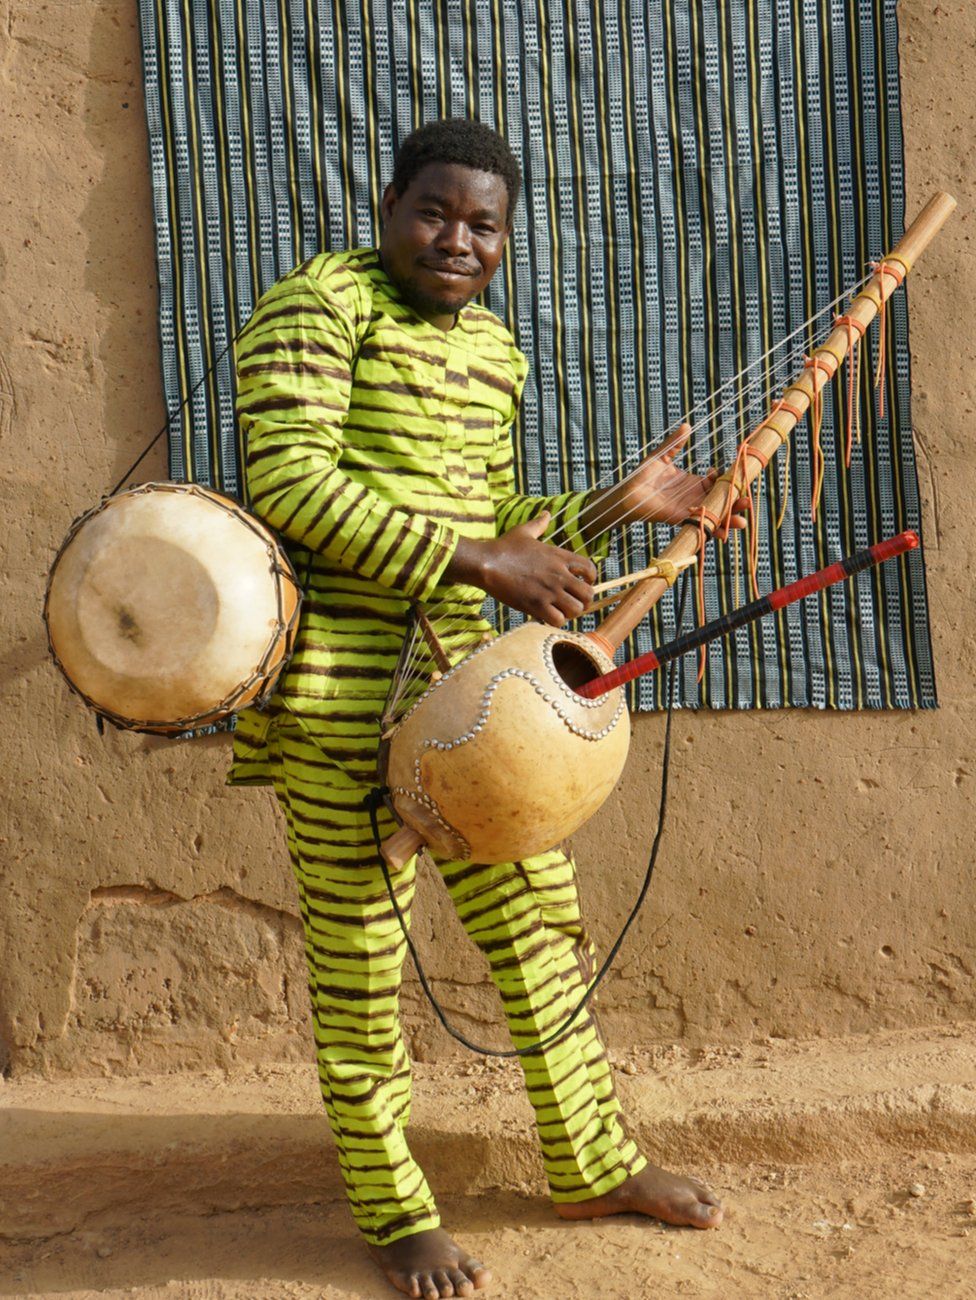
513, 508
295, 379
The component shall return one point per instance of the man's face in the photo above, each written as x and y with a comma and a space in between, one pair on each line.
444, 237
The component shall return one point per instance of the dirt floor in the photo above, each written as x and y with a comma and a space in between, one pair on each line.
854, 1175
791, 1234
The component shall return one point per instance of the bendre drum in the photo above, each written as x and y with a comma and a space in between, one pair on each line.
169, 607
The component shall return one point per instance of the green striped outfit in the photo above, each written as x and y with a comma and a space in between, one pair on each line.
373, 440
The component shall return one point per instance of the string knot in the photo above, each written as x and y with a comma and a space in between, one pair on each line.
891, 265
376, 798
667, 571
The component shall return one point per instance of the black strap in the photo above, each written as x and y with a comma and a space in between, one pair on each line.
375, 800
179, 410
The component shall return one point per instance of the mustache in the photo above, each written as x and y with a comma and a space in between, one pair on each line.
456, 268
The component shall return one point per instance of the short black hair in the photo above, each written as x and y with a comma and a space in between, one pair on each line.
461, 140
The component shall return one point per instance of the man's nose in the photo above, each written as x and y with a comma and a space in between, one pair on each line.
454, 238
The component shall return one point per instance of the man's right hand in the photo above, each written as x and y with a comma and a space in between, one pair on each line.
546, 582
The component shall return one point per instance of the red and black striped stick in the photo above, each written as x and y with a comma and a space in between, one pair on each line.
681, 645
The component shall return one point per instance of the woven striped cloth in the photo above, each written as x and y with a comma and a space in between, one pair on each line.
703, 179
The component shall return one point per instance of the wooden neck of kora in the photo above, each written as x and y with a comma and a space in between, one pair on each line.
774, 432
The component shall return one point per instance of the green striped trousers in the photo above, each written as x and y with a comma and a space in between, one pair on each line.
524, 917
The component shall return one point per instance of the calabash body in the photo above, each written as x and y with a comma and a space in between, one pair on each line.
501, 759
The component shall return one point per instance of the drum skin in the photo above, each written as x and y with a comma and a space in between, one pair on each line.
169, 607
501, 759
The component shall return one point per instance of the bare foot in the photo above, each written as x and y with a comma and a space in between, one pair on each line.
682, 1201
429, 1265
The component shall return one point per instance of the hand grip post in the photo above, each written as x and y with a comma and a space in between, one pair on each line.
401, 847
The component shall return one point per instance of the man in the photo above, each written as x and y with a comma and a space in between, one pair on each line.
377, 406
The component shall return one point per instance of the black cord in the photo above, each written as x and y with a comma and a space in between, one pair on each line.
179, 410
375, 799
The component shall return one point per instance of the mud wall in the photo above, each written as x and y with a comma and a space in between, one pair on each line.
816, 875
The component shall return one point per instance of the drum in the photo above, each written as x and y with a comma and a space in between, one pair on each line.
169, 607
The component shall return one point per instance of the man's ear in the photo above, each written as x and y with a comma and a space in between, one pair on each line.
388, 202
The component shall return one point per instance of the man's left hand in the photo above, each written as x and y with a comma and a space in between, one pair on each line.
657, 491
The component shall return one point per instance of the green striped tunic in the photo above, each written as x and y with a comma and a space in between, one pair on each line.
373, 440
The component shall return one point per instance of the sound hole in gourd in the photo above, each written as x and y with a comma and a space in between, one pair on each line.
573, 664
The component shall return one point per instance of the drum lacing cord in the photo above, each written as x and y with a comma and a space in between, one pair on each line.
377, 798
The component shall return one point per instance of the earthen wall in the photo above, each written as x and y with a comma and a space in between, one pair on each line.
816, 876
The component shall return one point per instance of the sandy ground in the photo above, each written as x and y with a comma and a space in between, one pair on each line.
791, 1233
848, 1168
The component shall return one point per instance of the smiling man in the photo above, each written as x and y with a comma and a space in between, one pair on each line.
377, 406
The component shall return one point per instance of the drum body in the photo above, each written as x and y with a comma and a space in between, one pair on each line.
501, 759
170, 607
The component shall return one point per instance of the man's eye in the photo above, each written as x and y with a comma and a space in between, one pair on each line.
487, 231
430, 212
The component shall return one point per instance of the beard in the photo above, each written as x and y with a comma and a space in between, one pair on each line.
429, 304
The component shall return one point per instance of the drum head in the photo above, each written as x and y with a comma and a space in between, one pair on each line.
166, 606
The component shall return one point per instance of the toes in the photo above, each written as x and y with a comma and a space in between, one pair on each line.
428, 1287
444, 1283
407, 1283
707, 1214
463, 1285
477, 1272
706, 1195
703, 1192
